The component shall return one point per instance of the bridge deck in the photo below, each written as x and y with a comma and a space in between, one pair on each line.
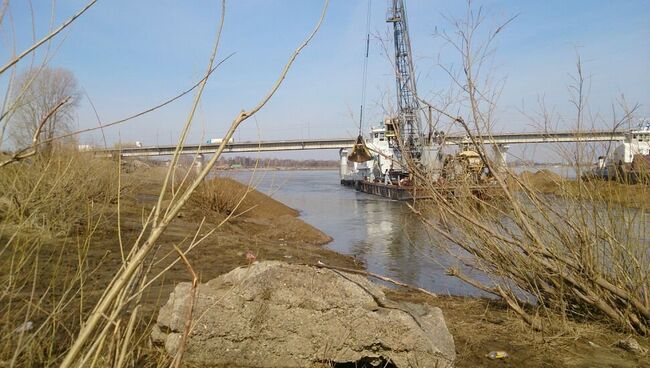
338, 143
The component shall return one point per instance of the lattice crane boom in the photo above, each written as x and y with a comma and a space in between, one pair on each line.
408, 122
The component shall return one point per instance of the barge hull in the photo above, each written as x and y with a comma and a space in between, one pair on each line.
405, 193
394, 192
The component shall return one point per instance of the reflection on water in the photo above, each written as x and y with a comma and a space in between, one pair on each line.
383, 234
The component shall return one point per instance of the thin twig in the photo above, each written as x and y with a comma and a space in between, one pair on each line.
23, 154
374, 275
46, 38
188, 318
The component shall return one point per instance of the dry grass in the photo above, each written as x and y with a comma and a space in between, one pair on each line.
52, 205
57, 193
223, 196
214, 196
481, 325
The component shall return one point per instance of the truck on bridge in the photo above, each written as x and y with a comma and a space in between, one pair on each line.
218, 140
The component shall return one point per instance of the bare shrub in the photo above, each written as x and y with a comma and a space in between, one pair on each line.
107, 316
57, 194
575, 254
218, 195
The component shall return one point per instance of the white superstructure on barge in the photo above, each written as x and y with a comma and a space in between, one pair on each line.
382, 162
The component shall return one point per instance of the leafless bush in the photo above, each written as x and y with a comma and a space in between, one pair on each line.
59, 193
37, 92
575, 254
103, 323
218, 196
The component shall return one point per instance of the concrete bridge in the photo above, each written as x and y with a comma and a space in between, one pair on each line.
500, 140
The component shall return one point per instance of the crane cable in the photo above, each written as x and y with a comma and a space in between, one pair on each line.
360, 152
365, 68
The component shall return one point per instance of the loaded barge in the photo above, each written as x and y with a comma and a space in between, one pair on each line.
379, 165
457, 175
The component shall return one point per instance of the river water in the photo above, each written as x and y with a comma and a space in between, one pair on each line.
382, 233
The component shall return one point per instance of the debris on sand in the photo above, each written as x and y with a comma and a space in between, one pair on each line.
498, 354
633, 346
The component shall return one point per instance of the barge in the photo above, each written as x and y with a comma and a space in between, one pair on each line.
383, 163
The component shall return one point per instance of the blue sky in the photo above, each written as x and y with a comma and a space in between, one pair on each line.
129, 55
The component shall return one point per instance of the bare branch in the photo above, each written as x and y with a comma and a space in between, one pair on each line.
23, 154
46, 38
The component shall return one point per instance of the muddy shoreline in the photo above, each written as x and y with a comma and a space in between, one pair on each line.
261, 228
478, 325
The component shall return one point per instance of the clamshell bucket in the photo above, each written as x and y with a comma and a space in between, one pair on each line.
360, 152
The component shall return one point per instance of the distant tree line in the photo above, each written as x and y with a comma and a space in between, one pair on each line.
276, 162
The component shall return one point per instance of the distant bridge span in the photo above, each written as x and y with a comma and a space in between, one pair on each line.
338, 143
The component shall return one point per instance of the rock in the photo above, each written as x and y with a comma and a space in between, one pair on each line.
273, 314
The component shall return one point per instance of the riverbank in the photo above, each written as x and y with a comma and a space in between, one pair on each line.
53, 277
239, 226
272, 231
607, 192
478, 325
261, 228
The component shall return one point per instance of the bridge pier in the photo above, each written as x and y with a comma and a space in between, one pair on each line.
199, 162
343, 164
500, 156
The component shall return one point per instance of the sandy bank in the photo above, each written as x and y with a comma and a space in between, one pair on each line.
609, 192
256, 225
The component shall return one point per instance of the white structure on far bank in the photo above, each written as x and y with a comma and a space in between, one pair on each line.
637, 142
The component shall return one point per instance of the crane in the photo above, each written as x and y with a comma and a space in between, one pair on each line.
404, 130
399, 151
